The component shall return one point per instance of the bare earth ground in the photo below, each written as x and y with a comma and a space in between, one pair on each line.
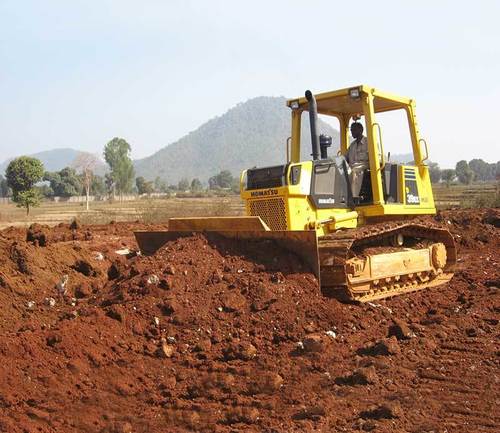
207, 336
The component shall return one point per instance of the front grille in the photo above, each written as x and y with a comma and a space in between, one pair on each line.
272, 212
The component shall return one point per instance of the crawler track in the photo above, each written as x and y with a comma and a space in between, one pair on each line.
342, 260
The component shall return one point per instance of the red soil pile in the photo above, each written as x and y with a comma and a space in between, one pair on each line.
209, 336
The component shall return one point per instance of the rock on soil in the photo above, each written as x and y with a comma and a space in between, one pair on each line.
400, 330
244, 351
232, 338
385, 347
314, 343
166, 350
388, 411
360, 376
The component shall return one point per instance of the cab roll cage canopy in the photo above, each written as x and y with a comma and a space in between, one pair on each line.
346, 103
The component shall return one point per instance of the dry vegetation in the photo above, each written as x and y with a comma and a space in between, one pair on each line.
159, 210
149, 211
467, 196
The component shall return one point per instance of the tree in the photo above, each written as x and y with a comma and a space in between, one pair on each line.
124, 176
448, 175
235, 185
45, 190
64, 183
434, 172
143, 186
98, 187
117, 155
183, 185
483, 171
85, 163
109, 184
224, 179
139, 184
4, 187
463, 172
28, 199
22, 174
196, 185
160, 185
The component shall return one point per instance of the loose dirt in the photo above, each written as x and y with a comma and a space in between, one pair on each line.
205, 336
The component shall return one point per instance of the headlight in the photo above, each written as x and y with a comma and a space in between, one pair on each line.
354, 93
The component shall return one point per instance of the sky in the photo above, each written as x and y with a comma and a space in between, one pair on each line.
78, 73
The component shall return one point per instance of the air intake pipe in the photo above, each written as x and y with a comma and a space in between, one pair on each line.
313, 121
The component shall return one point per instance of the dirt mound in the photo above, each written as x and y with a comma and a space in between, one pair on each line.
472, 228
209, 336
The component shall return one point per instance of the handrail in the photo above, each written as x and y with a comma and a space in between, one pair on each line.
381, 146
288, 149
243, 180
426, 149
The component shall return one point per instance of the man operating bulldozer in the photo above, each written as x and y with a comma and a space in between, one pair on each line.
358, 150
357, 157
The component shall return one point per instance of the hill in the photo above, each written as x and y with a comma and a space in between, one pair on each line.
252, 133
55, 160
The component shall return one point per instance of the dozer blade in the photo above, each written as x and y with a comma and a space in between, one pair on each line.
243, 230
197, 224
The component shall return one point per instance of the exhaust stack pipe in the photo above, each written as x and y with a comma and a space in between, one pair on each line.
313, 121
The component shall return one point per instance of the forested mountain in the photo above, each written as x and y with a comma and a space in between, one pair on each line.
253, 133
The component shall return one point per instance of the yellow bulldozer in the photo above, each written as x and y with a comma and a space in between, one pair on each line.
357, 226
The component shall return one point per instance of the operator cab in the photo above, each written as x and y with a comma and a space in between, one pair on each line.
371, 180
